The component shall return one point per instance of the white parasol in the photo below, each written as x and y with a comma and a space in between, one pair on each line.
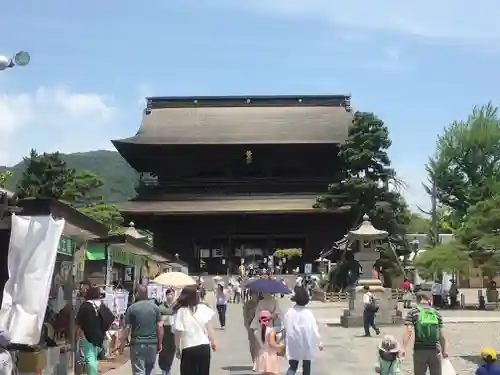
174, 279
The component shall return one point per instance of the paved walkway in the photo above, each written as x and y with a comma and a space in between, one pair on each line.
346, 351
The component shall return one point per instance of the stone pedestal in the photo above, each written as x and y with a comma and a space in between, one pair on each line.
388, 313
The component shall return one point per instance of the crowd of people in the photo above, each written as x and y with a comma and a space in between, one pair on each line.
181, 327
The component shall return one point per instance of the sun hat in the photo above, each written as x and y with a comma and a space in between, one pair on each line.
488, 352
389, 344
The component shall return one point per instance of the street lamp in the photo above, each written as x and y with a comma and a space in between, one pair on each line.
21, 58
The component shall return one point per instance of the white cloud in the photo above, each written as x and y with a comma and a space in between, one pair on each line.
458, 19
53, 119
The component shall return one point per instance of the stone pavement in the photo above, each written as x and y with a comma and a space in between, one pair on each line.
346, 351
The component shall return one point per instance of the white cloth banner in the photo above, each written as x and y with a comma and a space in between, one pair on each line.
32, 256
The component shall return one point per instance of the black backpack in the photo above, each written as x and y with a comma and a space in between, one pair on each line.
107, 317
372, 307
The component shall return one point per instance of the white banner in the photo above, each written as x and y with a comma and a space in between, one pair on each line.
32, 256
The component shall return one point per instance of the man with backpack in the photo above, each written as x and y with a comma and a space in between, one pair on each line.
430, 345
370, 311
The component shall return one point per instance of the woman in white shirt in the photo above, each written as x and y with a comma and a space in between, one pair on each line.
194, 336
221, 299
301, 333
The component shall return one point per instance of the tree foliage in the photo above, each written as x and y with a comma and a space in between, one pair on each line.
82, 188
448, 258
418, 224
480, 234
366, 181
367, 184
119, 179
106, 214
287, 253
466, 165
4, 176
47, 175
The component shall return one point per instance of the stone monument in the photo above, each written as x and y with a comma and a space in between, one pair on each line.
365, 236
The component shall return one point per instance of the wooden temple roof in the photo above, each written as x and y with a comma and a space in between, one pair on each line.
243, 120
222, 205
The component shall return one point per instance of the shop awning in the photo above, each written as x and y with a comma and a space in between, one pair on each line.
77, 226
123, 249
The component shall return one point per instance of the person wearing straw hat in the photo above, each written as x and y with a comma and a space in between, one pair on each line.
489, 366
388, 362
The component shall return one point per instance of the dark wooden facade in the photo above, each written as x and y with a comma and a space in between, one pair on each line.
237, 177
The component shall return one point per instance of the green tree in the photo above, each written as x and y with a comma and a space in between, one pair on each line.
418, 224
82, 189
47, 175
366, 183
106, 214
480, 234
448, 258
466, 164
4, 176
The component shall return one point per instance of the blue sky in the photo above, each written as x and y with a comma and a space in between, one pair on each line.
418, 65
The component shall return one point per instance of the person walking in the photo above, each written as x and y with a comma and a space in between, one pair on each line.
301, 334
167, 311
370, 310
221, 299
267, 361
453, 292
237, 291
194, 336
437, 294
430, 343
407, 293
145, 323
93, 319
249, 308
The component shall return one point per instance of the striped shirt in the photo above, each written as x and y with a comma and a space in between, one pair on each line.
412, 319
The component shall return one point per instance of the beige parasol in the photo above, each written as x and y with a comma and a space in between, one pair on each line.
174, 279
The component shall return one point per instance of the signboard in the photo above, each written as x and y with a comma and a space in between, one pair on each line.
121, 256
66, 246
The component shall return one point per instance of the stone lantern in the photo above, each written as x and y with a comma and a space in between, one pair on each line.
365, 236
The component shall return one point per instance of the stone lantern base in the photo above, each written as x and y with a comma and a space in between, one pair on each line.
388, 313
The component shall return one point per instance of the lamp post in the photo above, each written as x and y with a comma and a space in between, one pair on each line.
22, 58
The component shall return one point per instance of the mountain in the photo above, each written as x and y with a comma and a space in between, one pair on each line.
119, 179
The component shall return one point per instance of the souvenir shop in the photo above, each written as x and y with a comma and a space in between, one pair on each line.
52, 348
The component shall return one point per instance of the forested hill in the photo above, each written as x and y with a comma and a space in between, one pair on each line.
118, 177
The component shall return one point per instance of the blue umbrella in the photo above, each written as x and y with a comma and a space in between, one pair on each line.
265, 285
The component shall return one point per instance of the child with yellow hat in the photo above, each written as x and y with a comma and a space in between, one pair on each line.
489, 367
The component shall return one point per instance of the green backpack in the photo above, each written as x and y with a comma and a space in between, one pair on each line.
427, 326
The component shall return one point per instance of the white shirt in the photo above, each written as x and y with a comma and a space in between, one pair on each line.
367, 298
237, 287
193, 326
302, 336
436, 289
